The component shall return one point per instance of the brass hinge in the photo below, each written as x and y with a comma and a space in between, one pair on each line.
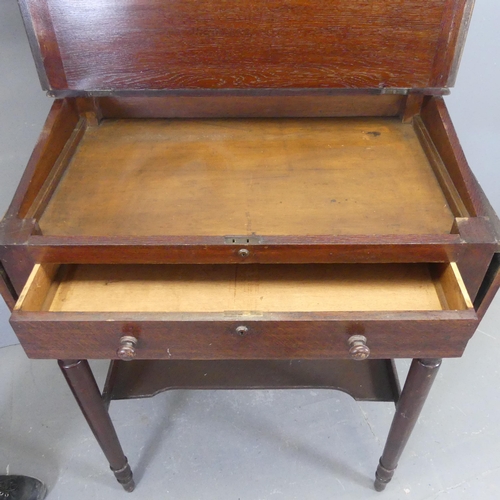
437, 91
389, 90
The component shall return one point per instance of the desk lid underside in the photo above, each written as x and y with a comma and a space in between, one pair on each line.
138, 45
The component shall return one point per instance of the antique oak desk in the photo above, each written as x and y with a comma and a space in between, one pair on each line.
253, 194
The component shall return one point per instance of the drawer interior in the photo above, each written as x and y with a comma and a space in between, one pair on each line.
264, 177
252, 288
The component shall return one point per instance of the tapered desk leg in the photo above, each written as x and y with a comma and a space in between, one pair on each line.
417, 386
84, 387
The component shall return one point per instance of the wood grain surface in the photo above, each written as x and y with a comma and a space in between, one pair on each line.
54, 335
170, 44
189, 312
243, 177
298, 104
251, 288
372, 380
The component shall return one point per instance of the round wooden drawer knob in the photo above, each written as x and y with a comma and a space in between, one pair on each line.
358, 348
126, 351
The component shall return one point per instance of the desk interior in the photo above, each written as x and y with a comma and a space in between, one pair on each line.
222, 177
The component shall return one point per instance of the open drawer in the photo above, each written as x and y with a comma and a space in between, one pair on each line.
244, 311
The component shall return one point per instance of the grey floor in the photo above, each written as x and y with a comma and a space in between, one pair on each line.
257, 445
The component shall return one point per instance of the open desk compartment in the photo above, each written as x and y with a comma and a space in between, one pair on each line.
161, 180
252, 178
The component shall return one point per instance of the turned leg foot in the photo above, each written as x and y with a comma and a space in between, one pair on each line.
81, 381
383, 477
124, 477
417, 386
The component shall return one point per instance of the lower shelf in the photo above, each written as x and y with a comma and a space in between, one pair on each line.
370, 380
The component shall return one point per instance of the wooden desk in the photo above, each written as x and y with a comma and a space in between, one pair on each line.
208, 213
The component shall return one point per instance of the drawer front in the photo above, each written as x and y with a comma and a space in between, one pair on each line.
406, 336
244, 312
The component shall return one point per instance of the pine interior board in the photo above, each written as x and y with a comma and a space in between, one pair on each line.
221, 177
251, 288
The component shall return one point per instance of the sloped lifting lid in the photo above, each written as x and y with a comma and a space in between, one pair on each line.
139, 45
